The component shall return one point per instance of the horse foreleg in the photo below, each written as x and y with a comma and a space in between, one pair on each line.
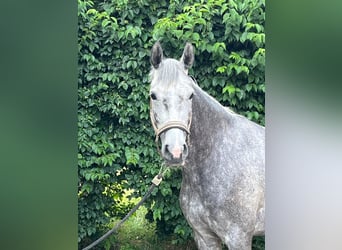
207, 241
237, 239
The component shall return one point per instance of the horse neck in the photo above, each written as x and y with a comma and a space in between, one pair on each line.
209, 118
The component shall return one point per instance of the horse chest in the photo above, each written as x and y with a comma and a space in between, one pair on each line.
202, 198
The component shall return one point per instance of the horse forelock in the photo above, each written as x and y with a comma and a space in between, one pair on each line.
169, 73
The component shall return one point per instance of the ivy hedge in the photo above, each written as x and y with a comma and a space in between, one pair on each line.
115, 138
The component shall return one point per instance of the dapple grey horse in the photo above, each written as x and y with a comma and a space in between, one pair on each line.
221, 154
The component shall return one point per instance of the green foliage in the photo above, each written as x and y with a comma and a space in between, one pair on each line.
115, 138
138, 233
230, 50
258, 243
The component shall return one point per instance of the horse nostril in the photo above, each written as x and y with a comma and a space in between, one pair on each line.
185, 149
167, 148
175, 152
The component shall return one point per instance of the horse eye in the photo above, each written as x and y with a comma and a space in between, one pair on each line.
191, 96
153, 96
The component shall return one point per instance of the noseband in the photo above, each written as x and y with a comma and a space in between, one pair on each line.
172, 124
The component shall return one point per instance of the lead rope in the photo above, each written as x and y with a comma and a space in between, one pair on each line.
155, 182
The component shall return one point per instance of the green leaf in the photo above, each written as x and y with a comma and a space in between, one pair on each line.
105, 22
221, 69
131, 156
230, 89
195, 36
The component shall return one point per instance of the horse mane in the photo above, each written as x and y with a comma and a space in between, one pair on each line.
224, 110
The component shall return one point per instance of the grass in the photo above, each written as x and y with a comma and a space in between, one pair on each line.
137, 233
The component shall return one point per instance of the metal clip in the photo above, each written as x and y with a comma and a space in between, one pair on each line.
157, 180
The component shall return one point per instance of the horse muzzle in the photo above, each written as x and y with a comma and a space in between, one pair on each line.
174, 136
174, 153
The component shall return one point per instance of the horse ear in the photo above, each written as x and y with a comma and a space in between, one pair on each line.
188, 56
156, 55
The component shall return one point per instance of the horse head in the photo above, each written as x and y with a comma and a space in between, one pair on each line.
171, 96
